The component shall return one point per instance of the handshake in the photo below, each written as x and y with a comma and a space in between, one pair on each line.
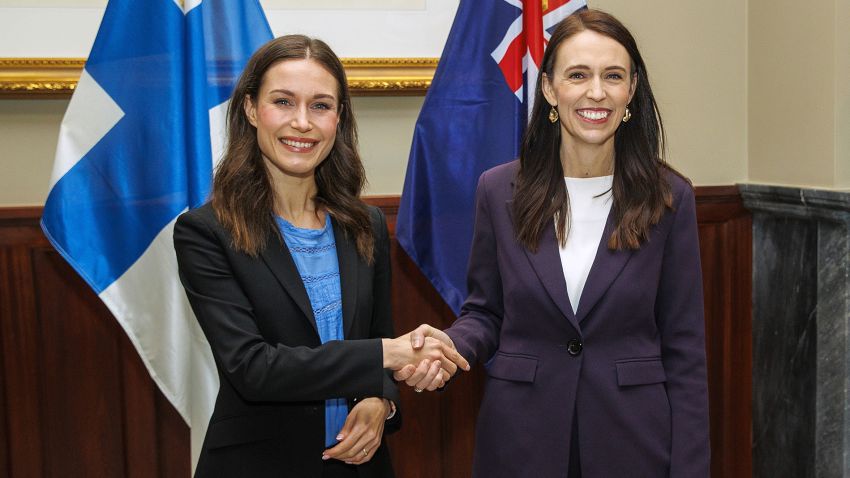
424, 358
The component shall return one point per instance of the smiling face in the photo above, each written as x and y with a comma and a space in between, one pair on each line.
296, 113
591, 84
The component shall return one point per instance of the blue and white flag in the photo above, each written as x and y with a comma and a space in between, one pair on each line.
136, 148
473, 119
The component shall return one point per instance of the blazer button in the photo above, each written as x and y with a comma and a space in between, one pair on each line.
574, 347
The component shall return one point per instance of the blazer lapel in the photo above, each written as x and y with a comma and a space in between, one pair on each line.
607, 265
546, 263
348, 258
276, 255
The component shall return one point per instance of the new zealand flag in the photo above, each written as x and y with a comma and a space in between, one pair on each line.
473, 119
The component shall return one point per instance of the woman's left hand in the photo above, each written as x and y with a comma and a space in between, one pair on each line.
361, 435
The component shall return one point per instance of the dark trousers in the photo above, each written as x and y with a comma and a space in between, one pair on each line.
338, 469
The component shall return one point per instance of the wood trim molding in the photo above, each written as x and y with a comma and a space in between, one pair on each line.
24, 214
57, 77
719, 204
389, 76
39, 77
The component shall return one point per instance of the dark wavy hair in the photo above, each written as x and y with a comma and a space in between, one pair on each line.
640, 190
242, 194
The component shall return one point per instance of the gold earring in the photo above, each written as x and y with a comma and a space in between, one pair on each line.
627, 116
553, 115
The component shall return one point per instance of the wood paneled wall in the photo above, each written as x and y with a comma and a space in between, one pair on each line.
725, 235
76, 400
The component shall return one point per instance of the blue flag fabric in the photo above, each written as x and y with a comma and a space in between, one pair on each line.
165, 70
135, 150
473, 119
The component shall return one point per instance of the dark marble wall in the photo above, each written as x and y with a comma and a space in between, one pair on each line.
784, 345
801, 390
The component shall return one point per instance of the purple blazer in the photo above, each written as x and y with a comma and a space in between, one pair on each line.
629, 365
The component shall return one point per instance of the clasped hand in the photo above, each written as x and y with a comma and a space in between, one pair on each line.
437, 360
425, 358
361, 434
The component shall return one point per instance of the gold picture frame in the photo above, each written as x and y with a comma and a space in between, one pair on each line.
32, 78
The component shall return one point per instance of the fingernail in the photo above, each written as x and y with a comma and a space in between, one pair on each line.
417, 342
325, 457
339, 437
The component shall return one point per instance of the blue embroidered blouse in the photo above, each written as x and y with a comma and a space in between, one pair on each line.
314, 253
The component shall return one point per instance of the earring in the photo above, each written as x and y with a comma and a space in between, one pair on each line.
627, 116
553, 115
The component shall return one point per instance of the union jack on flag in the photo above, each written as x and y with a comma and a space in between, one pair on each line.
521, 49
473, 118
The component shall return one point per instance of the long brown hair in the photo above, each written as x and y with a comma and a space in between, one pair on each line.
242, 194
640, 190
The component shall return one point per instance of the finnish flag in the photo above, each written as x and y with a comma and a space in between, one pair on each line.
136, 148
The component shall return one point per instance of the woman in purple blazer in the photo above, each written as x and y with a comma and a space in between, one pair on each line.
585, 292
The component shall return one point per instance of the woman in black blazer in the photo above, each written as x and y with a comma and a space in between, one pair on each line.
288, 274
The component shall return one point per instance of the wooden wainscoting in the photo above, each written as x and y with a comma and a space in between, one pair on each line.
726, 244
76, 400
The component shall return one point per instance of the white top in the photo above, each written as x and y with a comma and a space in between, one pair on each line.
590, 202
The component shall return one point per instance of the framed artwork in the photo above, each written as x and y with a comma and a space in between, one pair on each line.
388, 47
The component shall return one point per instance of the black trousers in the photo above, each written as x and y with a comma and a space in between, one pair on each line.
338, 469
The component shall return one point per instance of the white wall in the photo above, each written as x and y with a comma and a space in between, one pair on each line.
696, 57
791, 95
29, 130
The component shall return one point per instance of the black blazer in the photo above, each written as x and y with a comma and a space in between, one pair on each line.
273, 369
